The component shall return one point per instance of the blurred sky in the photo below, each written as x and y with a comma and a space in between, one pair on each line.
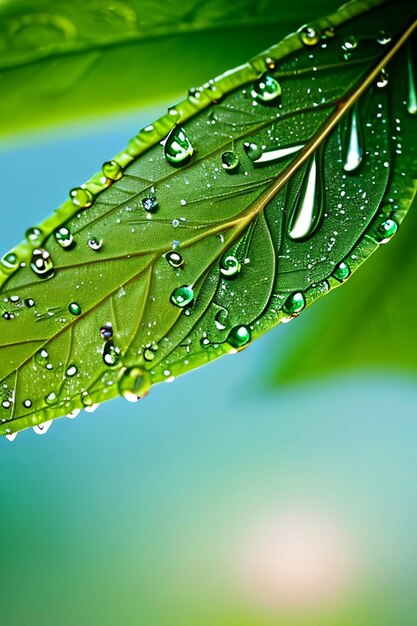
217, 500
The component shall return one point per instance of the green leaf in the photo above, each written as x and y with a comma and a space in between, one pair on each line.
67, 60
273, 183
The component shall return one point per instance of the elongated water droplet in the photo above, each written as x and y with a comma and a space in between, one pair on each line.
74, 308
230, 161
266, 89
112, 170
309, 36
174, 259
177, 147
341, 271
134, 384
294, 303
81, 197
277, 154
309, 202
412, 91
182, 296
386, 230
230, 266
239, 336
41, 263
352, 141
64, 237
111, 353
42, 429
34, 236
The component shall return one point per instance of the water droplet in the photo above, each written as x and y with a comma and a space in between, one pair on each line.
112, 170
276, 154
382, 80
349, 43
150, 203
294, 303
177, 147
95, 244
341, 271
252, 150
230, 161
174, 259
149, 351
71, 371
309, 36
64, 237
111, 353
74, 413
134, 384
230, 266
239, 336
29, 302
383, 39
10, 261
74, 308
42, 429
270, 63
329, 32
309, 202
27, 404
34, 236
41, 263
12, 436
7, 315
386, 230
352, 141
106, 331
412, 91
182, 296
51, 398
81, 197
266, 89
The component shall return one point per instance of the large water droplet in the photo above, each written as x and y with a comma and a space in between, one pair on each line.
74, 308
230, 266
230, 161
309, 36
10, 261
309, 202
341, 271
386, 230
112, 170
174, 259
64, 237
352, 141
41, 263
81, 197
111, 353
412, 91
177, 147
266, 89
134, 384
182, 296
34, 236
294, 303
71, 370
239, 336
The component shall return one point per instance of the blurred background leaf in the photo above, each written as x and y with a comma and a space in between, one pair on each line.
61, 61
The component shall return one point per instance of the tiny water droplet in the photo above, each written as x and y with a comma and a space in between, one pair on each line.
41, 263
266, 89
106, 331
111, 353
294, 303
112, 170
182, 296
386, 230
230, 266
81, 197
134, 384
341, 271
239, 336
74, 308
230, 161
150, 203
174, 259
64, 237
95, 244
252, 150
34, 236
309, 36
177, 148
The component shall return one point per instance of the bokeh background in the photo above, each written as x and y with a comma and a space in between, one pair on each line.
221, 499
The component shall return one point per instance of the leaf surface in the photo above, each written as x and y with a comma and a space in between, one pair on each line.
259, 193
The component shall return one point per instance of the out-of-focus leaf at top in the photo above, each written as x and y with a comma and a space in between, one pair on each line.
259, 193
63, 60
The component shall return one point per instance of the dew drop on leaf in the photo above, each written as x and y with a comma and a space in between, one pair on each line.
150, 203
386, 230
64, 237
174, 259
349, 43
253, 151
34, 236
230, 266
382, 80
177, 147
111, 353
341, 271
106, 331
309, 202
10, 261
239, 336
95, 244
112, 170
81, 197
182, 296
352, 142
294, 303
266, 89
309, 36
41, 263
412, 91
230, 161
134, 384
74, 308
71, 371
